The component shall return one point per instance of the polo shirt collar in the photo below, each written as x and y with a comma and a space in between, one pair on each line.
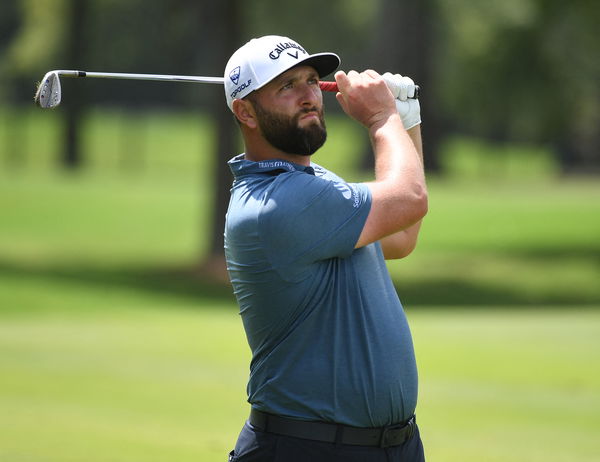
241, 167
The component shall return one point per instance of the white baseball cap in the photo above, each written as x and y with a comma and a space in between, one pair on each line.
262, 59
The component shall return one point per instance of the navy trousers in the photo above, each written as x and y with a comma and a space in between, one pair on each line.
256, 446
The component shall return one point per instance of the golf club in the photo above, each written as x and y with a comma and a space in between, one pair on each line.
48, 94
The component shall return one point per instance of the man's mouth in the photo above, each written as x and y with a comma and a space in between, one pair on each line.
309, 115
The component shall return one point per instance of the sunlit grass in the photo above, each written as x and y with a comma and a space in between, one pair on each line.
156, 378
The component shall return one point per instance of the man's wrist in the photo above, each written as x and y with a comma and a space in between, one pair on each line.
393, 121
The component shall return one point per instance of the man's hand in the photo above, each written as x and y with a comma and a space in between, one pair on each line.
365, 97
403, 89
410, 112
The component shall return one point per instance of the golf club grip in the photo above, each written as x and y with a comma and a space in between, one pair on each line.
332, 86
328, 86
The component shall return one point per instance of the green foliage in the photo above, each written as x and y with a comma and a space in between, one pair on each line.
338, 25
519, 71
522, 69
37, 44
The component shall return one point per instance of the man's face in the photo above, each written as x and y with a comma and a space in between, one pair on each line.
301, 129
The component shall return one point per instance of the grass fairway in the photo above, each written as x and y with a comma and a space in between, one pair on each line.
120, 384
509, 384
112, 350
141, 377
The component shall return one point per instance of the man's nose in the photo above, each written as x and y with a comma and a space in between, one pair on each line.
311, 95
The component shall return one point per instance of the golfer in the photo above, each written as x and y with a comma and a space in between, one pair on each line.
333, 374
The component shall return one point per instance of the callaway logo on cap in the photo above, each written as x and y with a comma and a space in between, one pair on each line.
262, 59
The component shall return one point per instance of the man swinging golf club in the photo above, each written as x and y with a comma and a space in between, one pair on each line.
333, 374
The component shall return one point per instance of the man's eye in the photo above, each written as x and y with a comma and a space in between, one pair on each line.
313, 81
287, 86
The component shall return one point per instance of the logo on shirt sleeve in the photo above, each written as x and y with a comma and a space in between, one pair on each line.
344, 189
349, 191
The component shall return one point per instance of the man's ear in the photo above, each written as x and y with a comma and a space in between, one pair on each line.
244, 112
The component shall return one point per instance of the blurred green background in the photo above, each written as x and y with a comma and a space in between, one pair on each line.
120, 339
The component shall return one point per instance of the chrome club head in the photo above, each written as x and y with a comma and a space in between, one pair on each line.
48, 93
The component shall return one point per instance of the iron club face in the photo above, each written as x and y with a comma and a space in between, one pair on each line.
48, 94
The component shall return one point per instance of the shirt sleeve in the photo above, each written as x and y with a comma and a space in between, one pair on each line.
306, 218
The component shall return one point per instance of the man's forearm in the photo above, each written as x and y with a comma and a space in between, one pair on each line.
402, 243
395, 160
415, 136
399, 193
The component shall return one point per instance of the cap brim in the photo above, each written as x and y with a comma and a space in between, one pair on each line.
324, 63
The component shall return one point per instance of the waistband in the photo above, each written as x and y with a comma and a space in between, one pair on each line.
392, 435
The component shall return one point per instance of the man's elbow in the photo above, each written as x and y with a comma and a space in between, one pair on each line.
409, 244
420, 205
399, 246
399, 252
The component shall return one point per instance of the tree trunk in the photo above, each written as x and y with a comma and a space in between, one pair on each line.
227, 38
404, 44
71, 156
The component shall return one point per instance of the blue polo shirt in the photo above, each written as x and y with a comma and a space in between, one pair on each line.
329, 338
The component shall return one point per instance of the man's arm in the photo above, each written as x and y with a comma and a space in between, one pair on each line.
402, 243
399, 193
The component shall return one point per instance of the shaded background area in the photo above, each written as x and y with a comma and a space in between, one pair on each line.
511, 96
119, 334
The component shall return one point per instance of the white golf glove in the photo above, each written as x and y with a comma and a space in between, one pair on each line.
403, 89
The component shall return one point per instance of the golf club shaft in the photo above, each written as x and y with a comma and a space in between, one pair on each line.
48, 94
128, 76
325, 86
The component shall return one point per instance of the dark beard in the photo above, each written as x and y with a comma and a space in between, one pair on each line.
283, 132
